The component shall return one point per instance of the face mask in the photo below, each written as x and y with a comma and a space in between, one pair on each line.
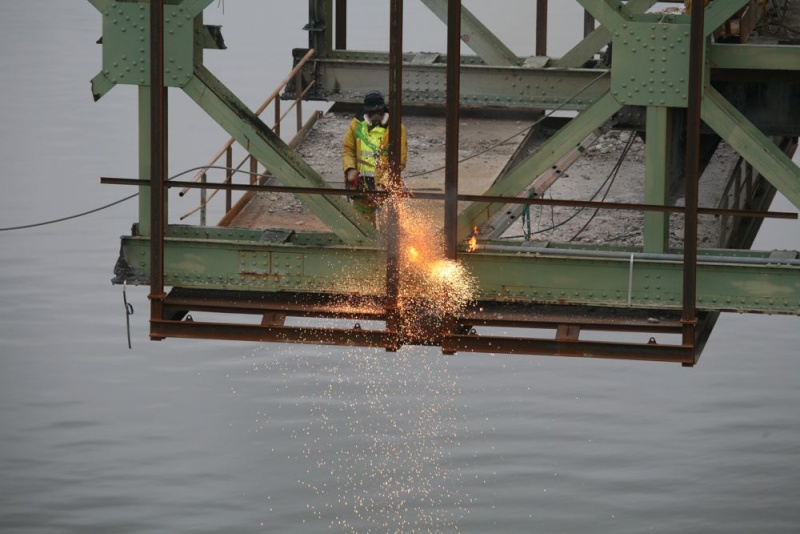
377, 117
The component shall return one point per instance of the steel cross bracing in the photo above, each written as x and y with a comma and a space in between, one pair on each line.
649, 71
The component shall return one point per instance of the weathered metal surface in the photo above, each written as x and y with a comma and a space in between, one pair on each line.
555, 148
475, 34
347, 274
753, 145
272, 152
747, 282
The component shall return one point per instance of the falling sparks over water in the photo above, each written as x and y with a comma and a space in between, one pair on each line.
373, 433
381, 424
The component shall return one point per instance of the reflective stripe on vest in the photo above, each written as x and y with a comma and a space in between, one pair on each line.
371, 140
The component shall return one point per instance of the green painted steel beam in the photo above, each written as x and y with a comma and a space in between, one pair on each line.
597, 39
476, 35
515, 181
346, 80
126, 42
755, 57
656, 178
749, 282
751, 144
609, 13
284, 163
257, 266
718, 12
621, 283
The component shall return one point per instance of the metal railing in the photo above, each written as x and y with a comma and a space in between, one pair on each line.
227, 149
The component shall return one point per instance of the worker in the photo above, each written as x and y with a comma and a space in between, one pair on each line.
365, 154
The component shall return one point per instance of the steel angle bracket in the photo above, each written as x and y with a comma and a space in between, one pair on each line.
126, 42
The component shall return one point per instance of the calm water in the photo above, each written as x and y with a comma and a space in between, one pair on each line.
184, 436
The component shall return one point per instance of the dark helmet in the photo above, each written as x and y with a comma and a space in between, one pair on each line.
374, 101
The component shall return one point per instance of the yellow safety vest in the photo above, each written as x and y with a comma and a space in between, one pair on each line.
371, 149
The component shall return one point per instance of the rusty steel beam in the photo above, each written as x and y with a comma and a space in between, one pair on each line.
350, 337
653, 352
341, 25
452, 129
395, 129
570, 321
158, 144
541, 27
693, 126
426, 195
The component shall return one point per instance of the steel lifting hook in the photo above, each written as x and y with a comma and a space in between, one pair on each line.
128, 311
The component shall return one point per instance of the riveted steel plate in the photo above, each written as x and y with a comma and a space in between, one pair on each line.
651, 64
126, 44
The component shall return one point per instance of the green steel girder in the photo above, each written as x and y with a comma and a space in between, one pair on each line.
284, 163
751, 144
747, 282
514, 182
597, 39
755, 57
476, 35
345, 77
126, 42
657, 172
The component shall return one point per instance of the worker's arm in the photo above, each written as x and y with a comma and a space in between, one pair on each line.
403, 147
349, 148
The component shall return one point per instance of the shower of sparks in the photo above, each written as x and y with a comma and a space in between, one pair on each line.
381, 425
372, 436
431, 286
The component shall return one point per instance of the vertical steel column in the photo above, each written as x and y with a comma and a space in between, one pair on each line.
656, 181
158, 141
696, 45
588, 23
452, 125
392, 214
541, 27
341, 24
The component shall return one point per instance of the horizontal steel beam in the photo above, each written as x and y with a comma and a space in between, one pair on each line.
747, 282
344, 76
578, 348
347, 79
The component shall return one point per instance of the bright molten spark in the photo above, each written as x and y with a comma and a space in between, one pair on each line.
472, 244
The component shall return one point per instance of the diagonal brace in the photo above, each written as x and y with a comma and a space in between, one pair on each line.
481, 40
597, 39
751, 144
513, 183
610, 13
288, 167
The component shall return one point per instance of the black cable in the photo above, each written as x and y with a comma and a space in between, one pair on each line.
504, 141
120, 201
613, 172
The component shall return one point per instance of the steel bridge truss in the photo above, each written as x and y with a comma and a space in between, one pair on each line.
663, 66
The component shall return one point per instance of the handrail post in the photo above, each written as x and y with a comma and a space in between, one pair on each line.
298, 80
228, 178
253, 170
158, 158
203, 199
277, 126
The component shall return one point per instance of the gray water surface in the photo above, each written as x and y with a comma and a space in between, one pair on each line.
202, 437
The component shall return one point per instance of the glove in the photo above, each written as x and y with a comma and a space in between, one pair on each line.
353, 178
